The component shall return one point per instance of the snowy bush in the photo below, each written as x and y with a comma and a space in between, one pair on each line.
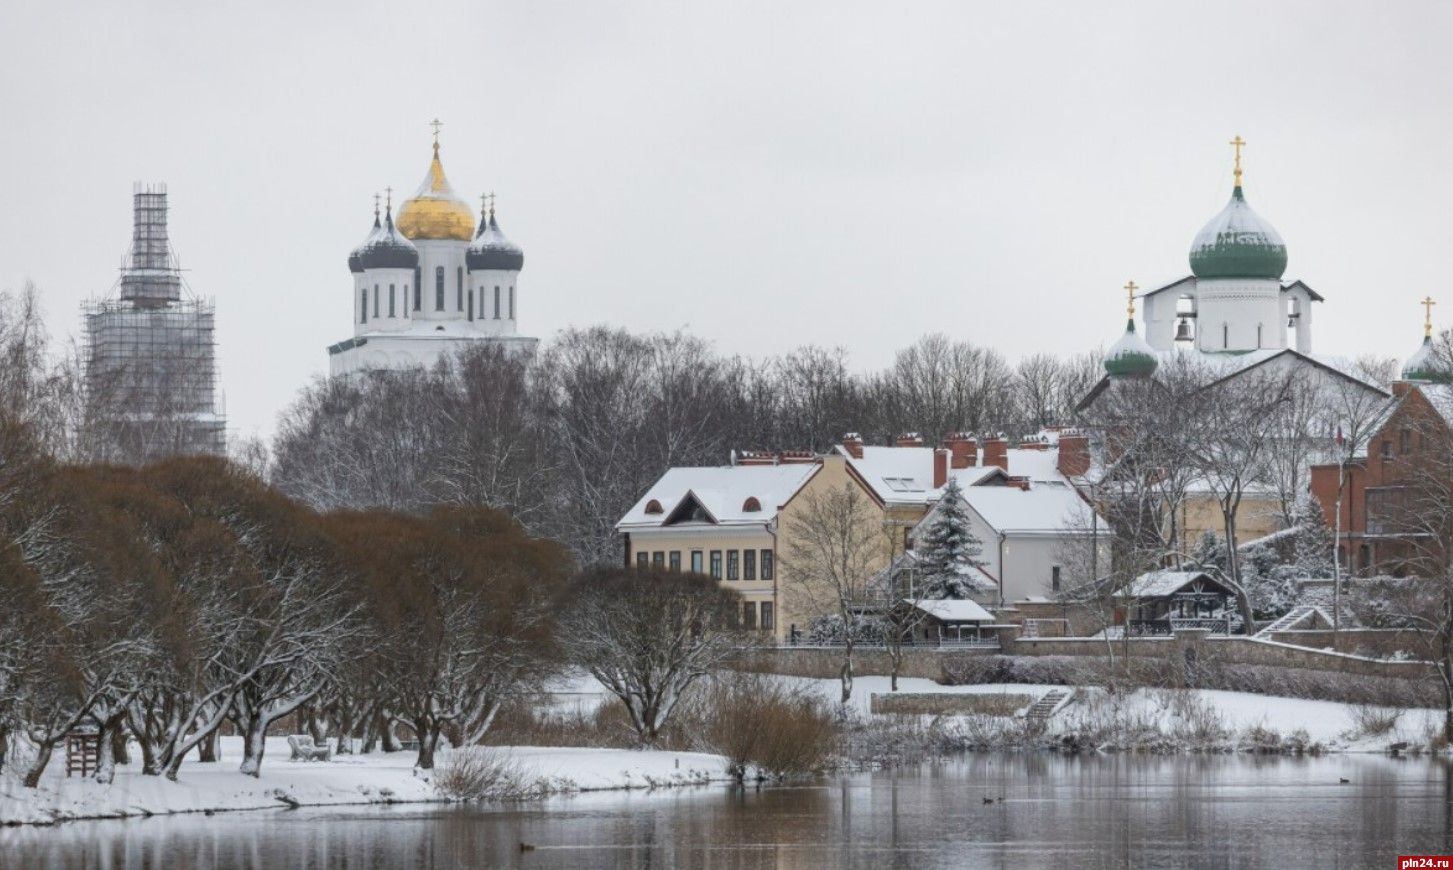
830, 629
766, 723
478, 773
1374, 721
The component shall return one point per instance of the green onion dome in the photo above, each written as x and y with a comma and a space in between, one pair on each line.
1238, 243
1130, 357
1423, 365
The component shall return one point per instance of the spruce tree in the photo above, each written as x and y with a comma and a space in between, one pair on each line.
947, 548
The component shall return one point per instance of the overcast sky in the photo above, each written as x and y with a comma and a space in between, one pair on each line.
765, 175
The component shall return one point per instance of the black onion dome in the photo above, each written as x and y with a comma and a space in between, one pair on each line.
388, 249
492, 250
355, 257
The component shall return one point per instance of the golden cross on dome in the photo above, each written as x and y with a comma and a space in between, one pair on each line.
436, 124
1428, 304
1238, 142
1130, 298
390, 192
376, 199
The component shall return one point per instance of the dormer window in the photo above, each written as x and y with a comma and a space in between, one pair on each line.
751, 505
654, 507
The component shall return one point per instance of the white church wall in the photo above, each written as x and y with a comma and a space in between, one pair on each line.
433, 255
1239, 314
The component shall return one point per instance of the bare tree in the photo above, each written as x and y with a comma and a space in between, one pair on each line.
834, 549
648, 636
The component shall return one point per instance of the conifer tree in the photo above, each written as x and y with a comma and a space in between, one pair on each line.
947, 548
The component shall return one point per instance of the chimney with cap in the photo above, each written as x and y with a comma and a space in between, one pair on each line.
853, 444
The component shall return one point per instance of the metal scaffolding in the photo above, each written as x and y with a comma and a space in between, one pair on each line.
150, 353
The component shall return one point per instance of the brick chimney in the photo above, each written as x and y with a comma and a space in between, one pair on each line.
1401, 388
1021, 482
940, 467
1074, 453
910, 439
1034, 442
963, 450
797, 457
755, 457
996, 452
853, 444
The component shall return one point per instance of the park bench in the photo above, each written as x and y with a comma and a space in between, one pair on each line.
305, 750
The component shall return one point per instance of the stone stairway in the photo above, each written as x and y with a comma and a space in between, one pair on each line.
1289, 619
1049, 704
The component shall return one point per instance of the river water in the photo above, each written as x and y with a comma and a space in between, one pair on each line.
1047, 811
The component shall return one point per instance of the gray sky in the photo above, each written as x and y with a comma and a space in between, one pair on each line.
766, 175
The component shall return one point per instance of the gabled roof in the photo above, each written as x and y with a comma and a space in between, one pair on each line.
1189, 279
1043, 508
954, 610
904, 475
1159, 584
1313, 294
722, 491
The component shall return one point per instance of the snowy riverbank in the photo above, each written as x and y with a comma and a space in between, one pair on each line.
358, 779
1144, 718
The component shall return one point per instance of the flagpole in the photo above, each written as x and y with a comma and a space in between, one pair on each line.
1337, 543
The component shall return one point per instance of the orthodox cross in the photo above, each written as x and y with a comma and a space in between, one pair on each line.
1238, 142
436, 124
390, 192
376, 199
491, 203
1428, 304
1130, 298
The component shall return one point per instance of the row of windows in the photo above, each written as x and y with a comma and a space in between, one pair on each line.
740, 564
392, 309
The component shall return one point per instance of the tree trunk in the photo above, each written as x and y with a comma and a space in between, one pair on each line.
428, 735
119, 740
846, 673
389, 739
106, 755
37, 767
254, 743
4, 745
207, 749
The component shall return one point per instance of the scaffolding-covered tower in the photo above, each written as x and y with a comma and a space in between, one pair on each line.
150, 363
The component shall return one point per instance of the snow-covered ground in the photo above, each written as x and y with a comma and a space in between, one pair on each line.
380, 778
358, 779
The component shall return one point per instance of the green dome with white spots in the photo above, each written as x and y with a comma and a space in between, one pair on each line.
1423, 365
1130, 357
1238, 243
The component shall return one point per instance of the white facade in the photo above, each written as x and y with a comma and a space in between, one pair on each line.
1230, 314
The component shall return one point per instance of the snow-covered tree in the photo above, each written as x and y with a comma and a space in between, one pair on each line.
947, 548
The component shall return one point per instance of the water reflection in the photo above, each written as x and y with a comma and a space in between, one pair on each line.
1019, 811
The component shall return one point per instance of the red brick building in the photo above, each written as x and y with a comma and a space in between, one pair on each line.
1382, 527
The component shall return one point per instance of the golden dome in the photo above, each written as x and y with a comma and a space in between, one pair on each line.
434, 212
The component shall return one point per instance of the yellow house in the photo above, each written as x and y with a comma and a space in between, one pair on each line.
735, 522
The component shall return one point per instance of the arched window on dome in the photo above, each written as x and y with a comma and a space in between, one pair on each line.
438, 288
654, 507
751, 505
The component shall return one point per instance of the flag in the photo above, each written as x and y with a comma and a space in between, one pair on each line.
1338, 437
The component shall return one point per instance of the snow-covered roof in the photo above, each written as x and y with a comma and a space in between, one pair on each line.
973, 575
1040, 509
904, 475
954, 610
1158, 584
722, 491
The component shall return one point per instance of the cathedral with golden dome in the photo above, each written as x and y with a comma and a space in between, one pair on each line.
428, 281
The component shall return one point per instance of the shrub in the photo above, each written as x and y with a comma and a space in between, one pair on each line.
1373, 721
766, 723
482, 773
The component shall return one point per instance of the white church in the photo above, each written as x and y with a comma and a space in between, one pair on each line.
1233, 312
429, 283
